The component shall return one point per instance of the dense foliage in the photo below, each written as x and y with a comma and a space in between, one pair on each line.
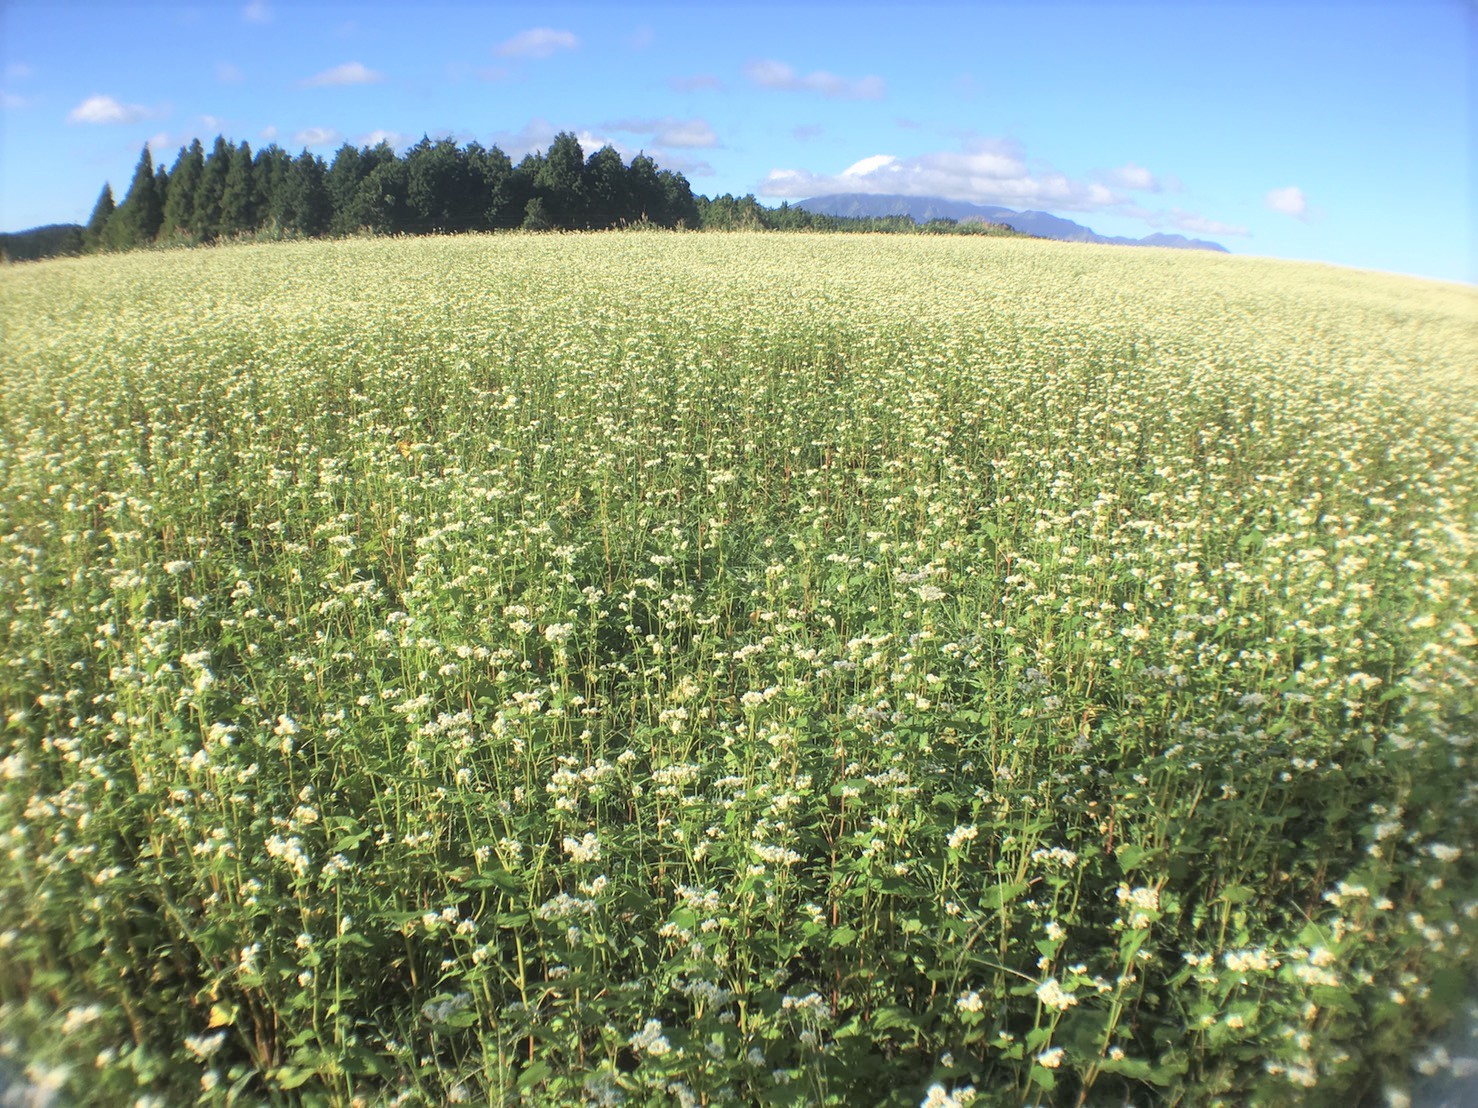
732, 668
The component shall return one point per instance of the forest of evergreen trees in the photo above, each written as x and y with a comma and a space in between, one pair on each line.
435, 187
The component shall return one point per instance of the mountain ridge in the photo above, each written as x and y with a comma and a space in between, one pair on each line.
1045, 225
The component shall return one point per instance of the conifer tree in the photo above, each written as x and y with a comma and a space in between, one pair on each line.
558, 182
344, 177
184, 181
646, 189
102, 211
307, 201
494, 186
161, 190
380, 203
212, 187
678, 206
141, 214
238, 199
605, 181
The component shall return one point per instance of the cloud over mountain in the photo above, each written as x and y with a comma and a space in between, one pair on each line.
984, 172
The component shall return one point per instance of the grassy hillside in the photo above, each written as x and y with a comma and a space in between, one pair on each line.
747, 668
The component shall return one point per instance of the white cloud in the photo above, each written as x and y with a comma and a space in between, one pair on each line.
105, 109
268, 133
350, 73
984, 172
210, 123
11, 102
1289, 201
688, 167
668, 131
1200, 225
228, 74
537, 134
257, 12
316, 136
869, 165
537, 42
770, 74
374, 138
698, 82
1131, 176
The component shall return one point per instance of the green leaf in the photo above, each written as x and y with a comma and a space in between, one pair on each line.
533, 1074
291, 1077
998, 896
886, 1018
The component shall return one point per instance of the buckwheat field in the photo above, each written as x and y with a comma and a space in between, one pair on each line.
712, 669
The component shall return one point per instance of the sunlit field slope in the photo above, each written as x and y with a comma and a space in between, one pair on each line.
733, 669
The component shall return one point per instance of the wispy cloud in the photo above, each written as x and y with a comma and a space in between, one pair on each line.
537, 42
268, 133
770, 74
1289, 201
228, 74
668, 131
316, 136
807, 131
18, 71
1131, 176
698, 82
258, 11
105, 109
11, 101
350, 73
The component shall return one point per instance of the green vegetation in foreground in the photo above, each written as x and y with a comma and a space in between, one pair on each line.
712, 669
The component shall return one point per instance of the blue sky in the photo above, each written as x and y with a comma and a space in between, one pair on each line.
1332, 130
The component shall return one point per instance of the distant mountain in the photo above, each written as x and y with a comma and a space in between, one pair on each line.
1042, 224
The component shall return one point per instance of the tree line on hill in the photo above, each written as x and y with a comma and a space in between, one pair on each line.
729, 213
437, 186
